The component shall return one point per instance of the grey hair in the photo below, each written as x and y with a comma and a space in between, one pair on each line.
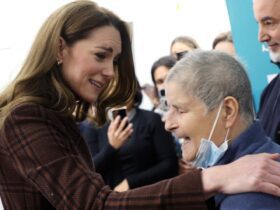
210, 76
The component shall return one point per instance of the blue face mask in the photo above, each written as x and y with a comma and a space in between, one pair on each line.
208, 153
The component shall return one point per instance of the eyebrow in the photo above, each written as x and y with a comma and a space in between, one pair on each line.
266, 18
179, 105
109, 49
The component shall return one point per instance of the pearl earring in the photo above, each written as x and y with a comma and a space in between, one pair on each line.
58, 62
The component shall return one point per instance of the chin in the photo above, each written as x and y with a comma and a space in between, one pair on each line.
188, 157
275, 56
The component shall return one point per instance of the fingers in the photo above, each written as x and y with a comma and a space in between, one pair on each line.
119, 131
123, 135
114, 124
117, 125
267, 162
260, 173
273, 156
269, 188
123, 124
267, 174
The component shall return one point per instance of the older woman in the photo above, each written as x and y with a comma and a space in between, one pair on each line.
211, 108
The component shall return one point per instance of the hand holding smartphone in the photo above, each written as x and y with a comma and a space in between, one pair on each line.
114, 112
119, 130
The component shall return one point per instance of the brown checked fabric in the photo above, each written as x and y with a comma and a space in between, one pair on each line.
45, 164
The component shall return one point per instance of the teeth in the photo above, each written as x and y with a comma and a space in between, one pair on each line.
97, 84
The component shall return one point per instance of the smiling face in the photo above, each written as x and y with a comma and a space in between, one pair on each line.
188, 119
268, 17
89, 65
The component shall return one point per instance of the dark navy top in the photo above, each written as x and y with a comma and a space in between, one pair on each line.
252, 141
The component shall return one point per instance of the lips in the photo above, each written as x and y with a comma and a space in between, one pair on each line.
273, 46
97, 84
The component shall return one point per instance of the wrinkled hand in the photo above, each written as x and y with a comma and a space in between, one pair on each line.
123, 186
118, 132
251, 173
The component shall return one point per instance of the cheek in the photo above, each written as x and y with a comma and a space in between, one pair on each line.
275, 35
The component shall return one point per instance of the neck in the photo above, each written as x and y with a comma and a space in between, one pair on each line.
239, 127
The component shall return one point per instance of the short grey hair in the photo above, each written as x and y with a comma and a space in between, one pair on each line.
210, 76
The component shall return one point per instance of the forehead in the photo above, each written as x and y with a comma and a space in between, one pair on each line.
266, 8
107, 36
176, 93
161, 71
180, 46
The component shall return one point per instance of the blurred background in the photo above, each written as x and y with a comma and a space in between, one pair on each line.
154, 24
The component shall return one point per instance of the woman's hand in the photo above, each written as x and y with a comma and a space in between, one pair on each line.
119, 131
251, 173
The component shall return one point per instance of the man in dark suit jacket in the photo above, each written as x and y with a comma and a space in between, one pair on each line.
268, 17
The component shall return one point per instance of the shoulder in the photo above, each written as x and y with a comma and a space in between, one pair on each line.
34, 114
32, 110
269, 146
28, 107
273, 85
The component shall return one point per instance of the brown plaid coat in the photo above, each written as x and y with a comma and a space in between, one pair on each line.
45, 164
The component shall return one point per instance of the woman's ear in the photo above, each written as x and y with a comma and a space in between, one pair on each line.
230, 111
61, 47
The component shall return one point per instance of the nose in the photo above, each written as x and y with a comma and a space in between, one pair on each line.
263, 35
160, 86
109, 70
169, 121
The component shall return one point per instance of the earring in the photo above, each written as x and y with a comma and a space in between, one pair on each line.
58, 62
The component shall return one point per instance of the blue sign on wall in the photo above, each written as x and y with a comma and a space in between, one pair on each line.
253, 53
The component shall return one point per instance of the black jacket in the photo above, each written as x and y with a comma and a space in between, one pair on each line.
269, 113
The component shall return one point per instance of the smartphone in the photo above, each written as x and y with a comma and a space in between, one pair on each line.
163, 102
112, 113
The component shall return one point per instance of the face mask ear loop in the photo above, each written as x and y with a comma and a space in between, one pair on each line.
227, 135
215, 122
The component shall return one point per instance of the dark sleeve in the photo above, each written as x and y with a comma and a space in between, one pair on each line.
42, 153
166, 165
262, 101
265, 94
102, 152
89, 133
179, 193
104, 158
